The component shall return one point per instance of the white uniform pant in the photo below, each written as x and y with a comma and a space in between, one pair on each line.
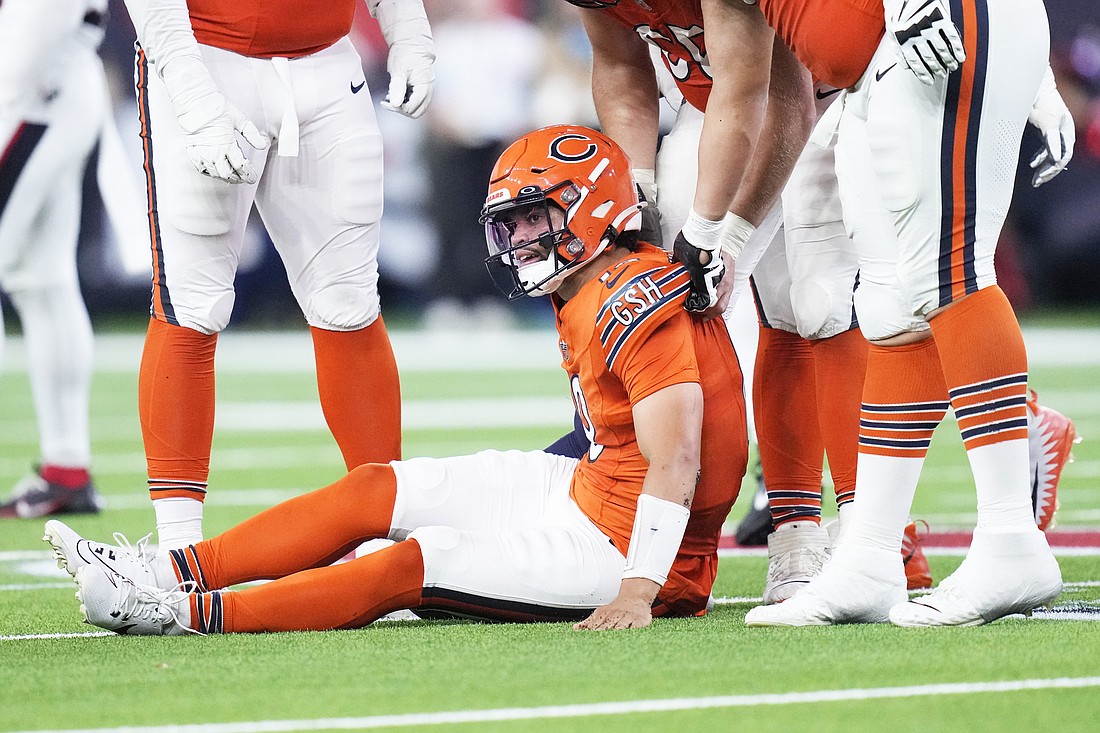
321, 207
501, 539
926, 172
44, 150
43, 153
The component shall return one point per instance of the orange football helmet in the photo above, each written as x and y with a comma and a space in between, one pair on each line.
578, 171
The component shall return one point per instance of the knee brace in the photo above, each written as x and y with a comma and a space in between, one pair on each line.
884, 312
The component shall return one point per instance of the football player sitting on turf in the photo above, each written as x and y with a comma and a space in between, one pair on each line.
627, 532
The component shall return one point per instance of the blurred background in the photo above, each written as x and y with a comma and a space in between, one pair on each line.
505, 67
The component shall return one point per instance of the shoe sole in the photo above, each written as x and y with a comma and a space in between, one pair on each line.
55, 537
1024, 608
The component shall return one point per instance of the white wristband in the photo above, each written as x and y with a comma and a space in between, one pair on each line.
702, 233
655, 540
735, 234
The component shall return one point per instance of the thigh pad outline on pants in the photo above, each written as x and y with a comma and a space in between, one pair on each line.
883, 312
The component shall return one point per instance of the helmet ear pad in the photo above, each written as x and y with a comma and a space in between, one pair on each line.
580, 171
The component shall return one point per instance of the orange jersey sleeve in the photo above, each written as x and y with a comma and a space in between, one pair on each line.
267, 28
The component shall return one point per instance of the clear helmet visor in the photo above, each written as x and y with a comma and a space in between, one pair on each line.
521, 241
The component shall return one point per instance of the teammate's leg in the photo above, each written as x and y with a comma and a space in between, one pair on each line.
196, 226
322, 209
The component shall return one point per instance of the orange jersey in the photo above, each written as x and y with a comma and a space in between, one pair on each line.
676, 28
834, 39
623, 337
267, 28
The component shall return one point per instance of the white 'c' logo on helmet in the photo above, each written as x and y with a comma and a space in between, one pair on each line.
557, 154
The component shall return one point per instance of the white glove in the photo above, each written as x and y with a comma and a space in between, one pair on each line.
411, 58
698, 248
1051, 115
928, 42
209, 123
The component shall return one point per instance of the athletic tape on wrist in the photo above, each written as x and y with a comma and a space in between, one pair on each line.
658, 531
702, 233
735, 234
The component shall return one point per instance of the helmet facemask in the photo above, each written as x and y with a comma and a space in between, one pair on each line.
531, 249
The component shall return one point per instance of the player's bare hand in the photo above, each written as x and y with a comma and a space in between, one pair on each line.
621, 613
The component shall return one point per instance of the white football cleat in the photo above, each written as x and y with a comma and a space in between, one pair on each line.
796, 553
1004, 573
136, 562
117, 604
857, 585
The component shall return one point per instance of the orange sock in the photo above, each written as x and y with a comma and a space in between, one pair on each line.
308, 531
985, 365
904, 399
345, 596
840, 364
984, 362
360, 393
176, 405
791, 449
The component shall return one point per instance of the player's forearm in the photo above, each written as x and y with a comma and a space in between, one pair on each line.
163, 29
731, 128
739, 46
165, 34
626, 100
787, 124
672, 477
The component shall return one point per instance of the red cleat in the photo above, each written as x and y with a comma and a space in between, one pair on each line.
1050, 438
918, 575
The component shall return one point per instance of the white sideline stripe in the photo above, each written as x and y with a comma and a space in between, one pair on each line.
36, 586
76, 635
457, 350
493, 412
605, 708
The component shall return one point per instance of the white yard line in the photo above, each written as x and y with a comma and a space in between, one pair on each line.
422, 350
630, 707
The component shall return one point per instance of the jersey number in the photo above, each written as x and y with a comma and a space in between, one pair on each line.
684, 38
594, 448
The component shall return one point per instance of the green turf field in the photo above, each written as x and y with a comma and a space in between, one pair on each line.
464, 394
